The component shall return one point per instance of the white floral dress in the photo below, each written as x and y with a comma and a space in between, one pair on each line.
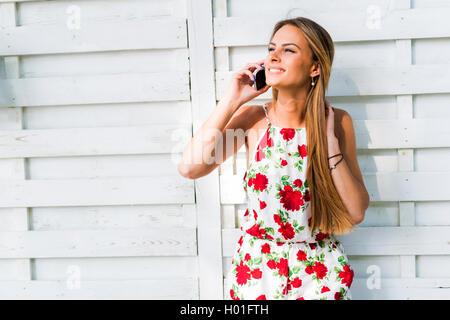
277, 255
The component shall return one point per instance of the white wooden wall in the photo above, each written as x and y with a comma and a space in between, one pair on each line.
93, 96
97, 100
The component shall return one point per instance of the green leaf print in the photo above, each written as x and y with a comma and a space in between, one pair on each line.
270, 230
258, 260
250, 262
296, 269
285, 177
341, 258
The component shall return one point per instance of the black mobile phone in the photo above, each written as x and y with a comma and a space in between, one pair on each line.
260, 79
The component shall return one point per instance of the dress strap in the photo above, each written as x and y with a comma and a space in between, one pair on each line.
267, 117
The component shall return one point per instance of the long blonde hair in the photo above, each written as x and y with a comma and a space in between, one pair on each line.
328, 213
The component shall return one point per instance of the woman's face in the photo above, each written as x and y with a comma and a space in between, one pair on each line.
289, 51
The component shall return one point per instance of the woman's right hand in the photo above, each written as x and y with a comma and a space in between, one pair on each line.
240, 88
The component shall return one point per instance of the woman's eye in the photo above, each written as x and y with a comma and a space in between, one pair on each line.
270, 49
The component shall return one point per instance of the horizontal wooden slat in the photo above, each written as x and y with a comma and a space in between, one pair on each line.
368, 81
91, 37
401, 289
376, 241
394, 24
167, 289
391, 186
139, 87
98, 243
104, 191
93, 141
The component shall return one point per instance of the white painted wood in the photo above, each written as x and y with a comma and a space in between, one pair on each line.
95, 37
104, 191
402, 289
94, 89
199, 20
394, 24
93, 141
23, 267
98, 243
171, 288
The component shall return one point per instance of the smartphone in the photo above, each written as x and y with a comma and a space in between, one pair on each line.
260, 79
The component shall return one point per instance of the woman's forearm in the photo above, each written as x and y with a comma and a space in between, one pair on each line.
353, 194
198, 155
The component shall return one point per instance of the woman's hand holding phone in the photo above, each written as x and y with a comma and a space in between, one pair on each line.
241, 89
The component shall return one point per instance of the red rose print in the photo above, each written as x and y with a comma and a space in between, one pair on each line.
287, 133
287, 231
277, 219
301, 255
291, 200
261, 297
247, 257
246, 213
306, 196
346, 276
282, 266
240, 240
301, 298
265, 248
255, 214
256, 231
297, 282
259, 155
309, 270
298, 183
266, 140
233, 296
320, 236
262, 204
271, 264
303, 150
242, 273
245, 175
324, 289
320, 269
337, 296
312, 245
260, 182
283, 162
256, 274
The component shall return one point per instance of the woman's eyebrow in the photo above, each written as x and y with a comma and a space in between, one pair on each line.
285, 44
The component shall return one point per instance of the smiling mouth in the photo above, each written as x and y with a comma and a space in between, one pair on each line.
276, 71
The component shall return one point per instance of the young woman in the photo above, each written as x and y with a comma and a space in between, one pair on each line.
303, 181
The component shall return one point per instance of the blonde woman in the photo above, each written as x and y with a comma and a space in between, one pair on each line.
303, 181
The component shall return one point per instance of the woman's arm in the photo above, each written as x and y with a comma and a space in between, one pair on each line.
347, 176
199, 156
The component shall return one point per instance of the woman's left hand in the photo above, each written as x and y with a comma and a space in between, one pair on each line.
330, 121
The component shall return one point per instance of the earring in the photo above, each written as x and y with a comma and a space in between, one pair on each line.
312, 83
